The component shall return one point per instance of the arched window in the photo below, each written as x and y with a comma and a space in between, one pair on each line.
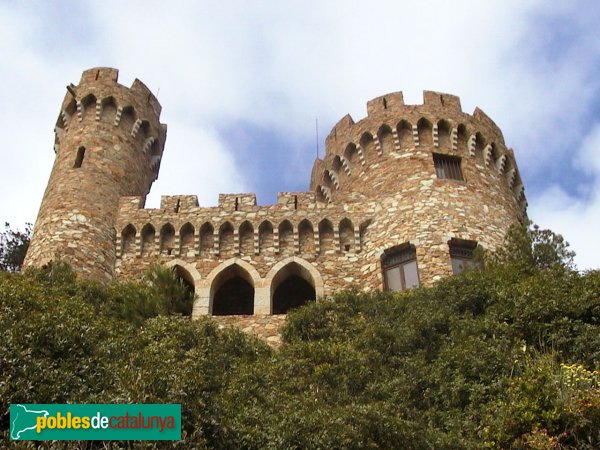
187, 239
265, 238
306, 237
128, 239
148, 237
246, 233
425, 132
167, 239
226, 240
292, 286
232, 292
386, 139
346, 236
400, 270
405, 135
444, 135
286, 238
206, 239
325, 236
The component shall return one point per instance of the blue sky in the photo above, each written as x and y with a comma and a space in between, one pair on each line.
242, 82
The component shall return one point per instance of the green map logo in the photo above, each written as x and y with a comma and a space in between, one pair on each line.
23, 420
95, 422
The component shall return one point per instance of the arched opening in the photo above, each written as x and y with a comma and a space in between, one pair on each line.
265, 238
89, 105
187, 239
167, 239
425, 131
444, 140
206, 239
292, 286
405, 135
351, 155
232, 292
246, 233
144, 130
306, 236
368, 145
346, 236
109, 110
386, 139
128, 118
325, 236
182, 297
128, 239
226, 240
479, 144
286, 238
462, 138
148, 238
338, 167
328, 180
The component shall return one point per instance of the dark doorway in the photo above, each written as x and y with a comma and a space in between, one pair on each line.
291, 293
234, 297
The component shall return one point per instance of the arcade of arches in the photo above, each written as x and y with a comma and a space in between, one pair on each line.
236, 289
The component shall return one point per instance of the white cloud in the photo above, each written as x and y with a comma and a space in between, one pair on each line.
281, 64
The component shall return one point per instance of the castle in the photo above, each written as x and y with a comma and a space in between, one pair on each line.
400, 199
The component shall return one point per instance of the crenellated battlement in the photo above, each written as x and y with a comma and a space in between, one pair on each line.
395, 133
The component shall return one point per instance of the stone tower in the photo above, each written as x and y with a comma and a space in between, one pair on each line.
109, 142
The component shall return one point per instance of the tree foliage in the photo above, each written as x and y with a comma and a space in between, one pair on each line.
505, 357
13, 247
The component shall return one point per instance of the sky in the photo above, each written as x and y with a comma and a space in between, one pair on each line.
241, 84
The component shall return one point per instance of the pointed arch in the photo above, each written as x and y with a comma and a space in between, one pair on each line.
128, 118
191, 278
325, 236
306, 237
148, 239
167, 239
290, 269
128, 239
286, 238
346, 230
368, 145
351, 155
425, 130
405, 135
265, 238
226, 240
246, 233
88, 103
232, 288
207, 239
480, 143
109, 110
186, 234
462, 139
386, 139
444, 135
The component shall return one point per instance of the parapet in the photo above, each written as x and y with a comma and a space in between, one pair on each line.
296, 200
178, 203
237, 202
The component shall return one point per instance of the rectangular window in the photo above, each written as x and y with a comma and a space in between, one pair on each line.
447, 167
79, 159
400, 268
461, 255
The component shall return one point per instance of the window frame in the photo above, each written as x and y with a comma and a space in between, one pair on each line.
448, 167
462, 250
399, 257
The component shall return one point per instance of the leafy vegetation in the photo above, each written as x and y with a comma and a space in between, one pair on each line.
505, 357
13, 247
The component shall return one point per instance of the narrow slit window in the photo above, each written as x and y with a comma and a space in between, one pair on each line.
79, 159
447, 167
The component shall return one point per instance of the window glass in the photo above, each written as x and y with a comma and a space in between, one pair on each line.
411, 275
393, 279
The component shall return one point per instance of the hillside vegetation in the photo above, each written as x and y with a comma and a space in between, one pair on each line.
506, 357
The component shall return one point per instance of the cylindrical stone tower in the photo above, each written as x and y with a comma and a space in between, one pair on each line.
435, 179
109, 143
